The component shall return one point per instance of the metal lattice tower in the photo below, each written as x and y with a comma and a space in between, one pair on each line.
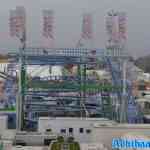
116, 26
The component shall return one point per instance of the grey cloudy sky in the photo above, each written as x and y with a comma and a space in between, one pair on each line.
68, 16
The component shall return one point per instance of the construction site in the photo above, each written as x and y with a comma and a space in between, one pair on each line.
80, 84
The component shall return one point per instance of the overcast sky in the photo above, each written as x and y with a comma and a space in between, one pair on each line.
68, 17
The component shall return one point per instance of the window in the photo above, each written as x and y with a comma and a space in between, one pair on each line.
48, 130
11, 122
63, 130
88, 131
70, 130
81, 130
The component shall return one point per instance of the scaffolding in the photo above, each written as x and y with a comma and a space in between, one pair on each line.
55, 87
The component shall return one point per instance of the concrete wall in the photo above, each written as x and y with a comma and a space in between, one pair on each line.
4, 132
3, 123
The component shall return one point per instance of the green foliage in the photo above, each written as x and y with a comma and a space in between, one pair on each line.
12, 109
70, 141
1, 146
74, 146
143, 63
60, 139
56, 146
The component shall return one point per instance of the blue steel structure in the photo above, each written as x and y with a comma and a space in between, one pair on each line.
10, 94
133, 111
62, 104
33, 105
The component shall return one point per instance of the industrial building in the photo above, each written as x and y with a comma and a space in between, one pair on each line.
83, 93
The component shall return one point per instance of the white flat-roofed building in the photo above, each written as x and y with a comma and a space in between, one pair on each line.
80, 128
